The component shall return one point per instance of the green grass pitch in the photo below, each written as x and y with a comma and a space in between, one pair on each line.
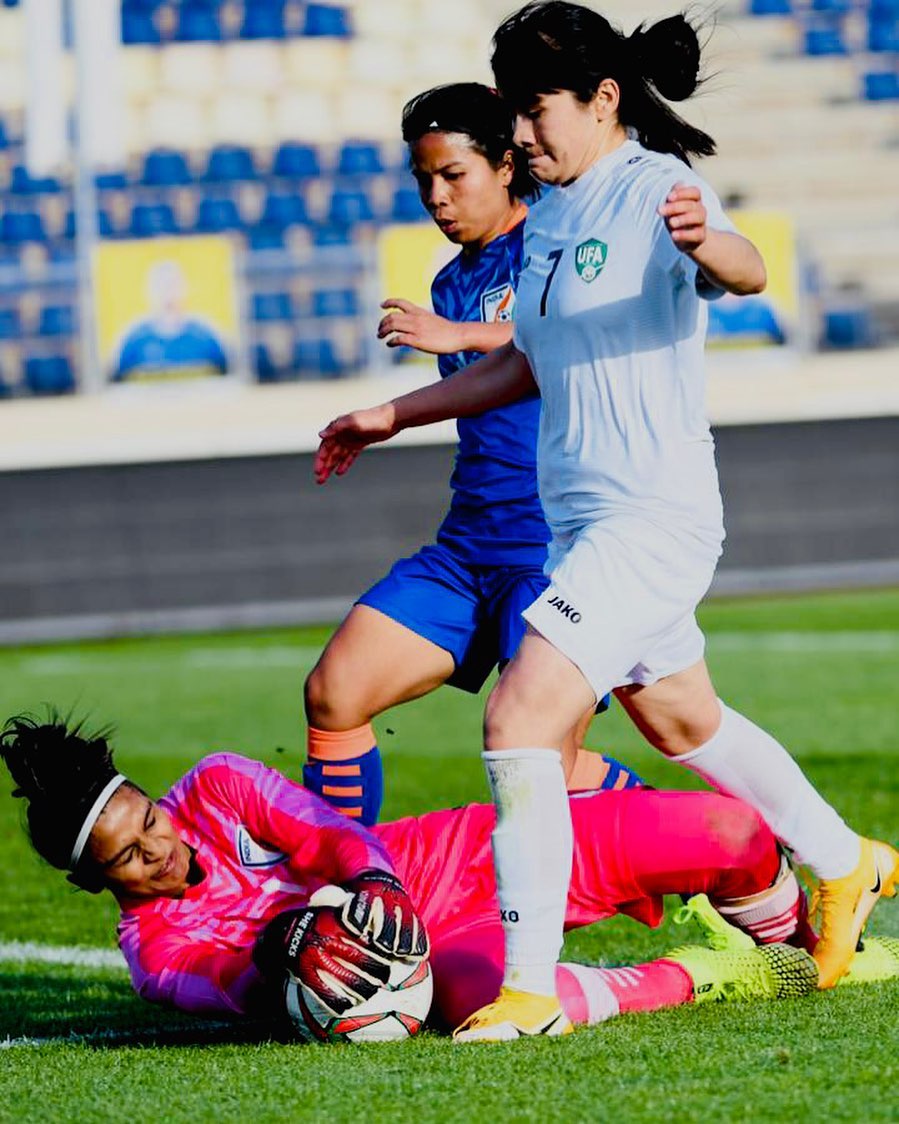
820, 672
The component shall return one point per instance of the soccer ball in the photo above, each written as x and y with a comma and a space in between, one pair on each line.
396, 1011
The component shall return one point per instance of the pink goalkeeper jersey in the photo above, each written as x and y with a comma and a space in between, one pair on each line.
265, 845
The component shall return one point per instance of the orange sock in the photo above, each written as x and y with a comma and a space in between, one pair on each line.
593, 771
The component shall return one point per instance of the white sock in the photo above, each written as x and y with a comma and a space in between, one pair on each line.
742, 760
532, 844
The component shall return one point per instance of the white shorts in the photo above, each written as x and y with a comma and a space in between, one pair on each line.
621, 601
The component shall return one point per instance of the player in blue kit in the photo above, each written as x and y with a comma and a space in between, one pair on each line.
452, 611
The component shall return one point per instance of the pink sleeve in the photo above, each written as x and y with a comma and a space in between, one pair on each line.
184, 970
317, 839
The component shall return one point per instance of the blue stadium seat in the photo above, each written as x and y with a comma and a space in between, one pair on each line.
329, 235
57, 320
268, 307
407, 206
139, 27
230, 163
149, 219
836, 7
327, 20
4, 135
317, 358
883, 32
263, 19
111, 181
49, 374
265, 367
104, 224
771, 8
17, 227
217, 215
10, 324
283, 209
296, 161
198, 23
360, 158
23, 183
166, 167
882, 85
266, 238
335, 302
846, 328
825, 40
747, 320
347, 207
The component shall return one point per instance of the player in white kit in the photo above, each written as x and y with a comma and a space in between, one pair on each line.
610, 325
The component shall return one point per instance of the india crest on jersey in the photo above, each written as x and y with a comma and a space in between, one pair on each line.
589, 259
498, 305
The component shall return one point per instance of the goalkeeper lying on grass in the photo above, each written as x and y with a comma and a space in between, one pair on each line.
214, 882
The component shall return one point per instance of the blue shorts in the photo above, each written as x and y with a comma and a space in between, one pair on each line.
472, 612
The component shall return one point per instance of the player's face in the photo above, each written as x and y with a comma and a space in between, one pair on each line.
464, 194
138, 849
560, 135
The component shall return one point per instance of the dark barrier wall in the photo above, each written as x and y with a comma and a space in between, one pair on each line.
106, 548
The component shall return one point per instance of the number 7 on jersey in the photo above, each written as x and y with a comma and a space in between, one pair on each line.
555, 256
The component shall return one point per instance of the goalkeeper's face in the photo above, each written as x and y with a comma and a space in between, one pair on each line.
137, 849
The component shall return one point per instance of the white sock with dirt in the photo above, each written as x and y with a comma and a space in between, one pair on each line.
742, 760
532, 846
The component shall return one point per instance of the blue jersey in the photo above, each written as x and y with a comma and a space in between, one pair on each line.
495, 518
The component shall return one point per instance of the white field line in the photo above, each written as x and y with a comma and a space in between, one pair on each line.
300, 658
31, 952
823, 643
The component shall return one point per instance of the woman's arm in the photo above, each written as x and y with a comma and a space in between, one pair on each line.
729, 261
499, 378
410, 325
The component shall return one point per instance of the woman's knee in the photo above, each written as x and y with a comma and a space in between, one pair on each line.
331, 698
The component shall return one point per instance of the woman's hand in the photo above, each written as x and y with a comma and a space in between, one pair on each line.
409, 325
685, 217
343, 439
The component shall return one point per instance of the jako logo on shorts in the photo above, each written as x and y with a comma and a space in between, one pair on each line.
590, 259
565, 609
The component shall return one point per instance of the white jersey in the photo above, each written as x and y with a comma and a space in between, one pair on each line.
609, 318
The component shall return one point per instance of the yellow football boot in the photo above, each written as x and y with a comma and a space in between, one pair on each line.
514, 1014
843, 906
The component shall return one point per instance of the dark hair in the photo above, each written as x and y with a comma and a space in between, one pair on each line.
480, 114
553, 45
60, 769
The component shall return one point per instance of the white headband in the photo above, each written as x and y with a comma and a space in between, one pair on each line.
92, 816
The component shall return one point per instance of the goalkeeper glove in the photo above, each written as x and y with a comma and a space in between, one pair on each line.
314, 947
375, 908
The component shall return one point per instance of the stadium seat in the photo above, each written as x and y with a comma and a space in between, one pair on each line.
263, 19
139, 27
881, 86
296, 161
283, 209
23, 183
771, 8
335, 302
5, 140
166, 168
407, 206
253, 66
883, 33
49, 374
846, 328
265, 238
241, 118
317, 357
825, 41
360, 158
349, 207
57, 320
111, 181
230, 164
104, 224
326, 20
149, 219
264, 365
326, 234
305, 115
198, 23
216, 215
17, 227
836, 7
193, 69
269, 307
10, 324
